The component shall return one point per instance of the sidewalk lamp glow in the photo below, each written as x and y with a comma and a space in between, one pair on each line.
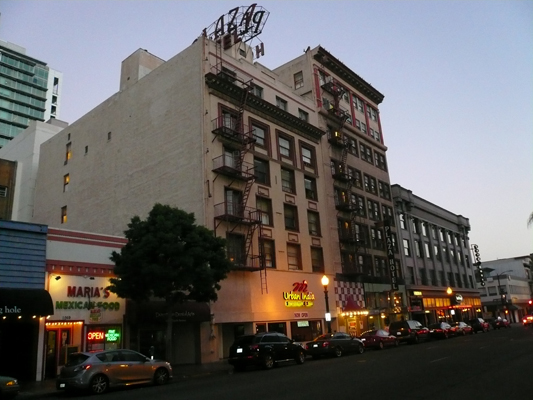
449, 290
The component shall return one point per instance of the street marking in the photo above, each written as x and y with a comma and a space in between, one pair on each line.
439, 359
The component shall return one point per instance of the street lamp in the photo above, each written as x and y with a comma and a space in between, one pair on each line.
325, 282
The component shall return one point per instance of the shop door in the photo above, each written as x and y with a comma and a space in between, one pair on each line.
57, 343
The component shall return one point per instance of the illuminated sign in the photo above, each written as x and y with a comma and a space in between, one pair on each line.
390, 256
417, 293
112, 335
299, 296
95, 335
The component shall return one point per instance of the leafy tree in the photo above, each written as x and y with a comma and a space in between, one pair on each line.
169, 257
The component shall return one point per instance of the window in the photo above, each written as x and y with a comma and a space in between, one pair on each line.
441, 234
261, 171
365, 153
352, 145
317, 259
229, 120
313, 222
68, 152
269, 253
402, 221
280, 103
436, 252
64, 215
380, 161
265, 206
303, 115
235, 249
410, 275
376, 236
294, 260
66, 181
358, 103
424, 229
310, 188
427, 252
308, 156
285, 147
234, 202
370, 184
388, 214
257, 91
321, 77
406, 248
363, 127
259, 134
298, 80
287, 180
291, 217
384, 190
418, 248
415, 226
450, 238
373, 210
3, 191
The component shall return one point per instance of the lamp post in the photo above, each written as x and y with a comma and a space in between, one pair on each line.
325, 282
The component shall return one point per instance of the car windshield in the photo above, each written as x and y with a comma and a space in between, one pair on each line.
323, 337
76, 359
434, 326
369, 333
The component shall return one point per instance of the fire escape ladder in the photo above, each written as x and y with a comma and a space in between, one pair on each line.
262, 263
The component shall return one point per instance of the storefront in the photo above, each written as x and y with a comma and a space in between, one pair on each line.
22, 314
147, 327
431, 306
87, 316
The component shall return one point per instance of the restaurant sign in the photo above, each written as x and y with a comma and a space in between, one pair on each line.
299, 296
393, 271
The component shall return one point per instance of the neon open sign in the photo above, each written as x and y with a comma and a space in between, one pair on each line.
95, 335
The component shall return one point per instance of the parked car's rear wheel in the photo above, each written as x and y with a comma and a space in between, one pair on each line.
161, 376
338, 352
360, 349
380, 345
268, 361
300, 357
99, 384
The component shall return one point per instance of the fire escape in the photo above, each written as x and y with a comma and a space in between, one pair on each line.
238, 139
345, 202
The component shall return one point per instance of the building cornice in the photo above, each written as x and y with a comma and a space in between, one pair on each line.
233, 93
342, 71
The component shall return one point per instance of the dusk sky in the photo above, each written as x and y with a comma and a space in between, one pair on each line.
457, 77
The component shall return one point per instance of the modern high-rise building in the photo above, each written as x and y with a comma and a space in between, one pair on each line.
29, 90
440, 277
288, 165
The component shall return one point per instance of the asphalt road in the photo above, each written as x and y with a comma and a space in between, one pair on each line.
493, 365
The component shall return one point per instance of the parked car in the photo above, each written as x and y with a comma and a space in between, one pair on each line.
462, 328
9, 387
409, 331
440, 330
334, 344
479, 325
378, 339
264, 349
501, 323
100, 370
527, 320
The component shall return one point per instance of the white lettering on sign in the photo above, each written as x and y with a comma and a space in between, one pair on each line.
10, 310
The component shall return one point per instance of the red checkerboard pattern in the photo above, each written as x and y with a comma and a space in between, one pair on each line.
345, 289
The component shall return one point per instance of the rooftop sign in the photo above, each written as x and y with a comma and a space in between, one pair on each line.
242, 23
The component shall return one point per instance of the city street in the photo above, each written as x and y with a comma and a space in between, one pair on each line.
491, 365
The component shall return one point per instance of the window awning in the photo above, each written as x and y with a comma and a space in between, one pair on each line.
25, 302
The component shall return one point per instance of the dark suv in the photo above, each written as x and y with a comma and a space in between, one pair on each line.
409, 331
264, 349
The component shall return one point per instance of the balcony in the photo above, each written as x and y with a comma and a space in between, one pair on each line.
336, 138
246, 263
345, 205
230, 166
345, 236
234, 212
232, 130
333, 87
339, 174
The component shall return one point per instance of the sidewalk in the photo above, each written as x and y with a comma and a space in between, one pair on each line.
39, 390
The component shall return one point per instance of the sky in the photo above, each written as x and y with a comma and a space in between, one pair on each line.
457, 77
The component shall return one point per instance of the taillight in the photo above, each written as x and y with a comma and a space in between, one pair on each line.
82, 367
325, 344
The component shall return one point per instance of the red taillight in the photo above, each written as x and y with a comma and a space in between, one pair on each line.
325, 344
